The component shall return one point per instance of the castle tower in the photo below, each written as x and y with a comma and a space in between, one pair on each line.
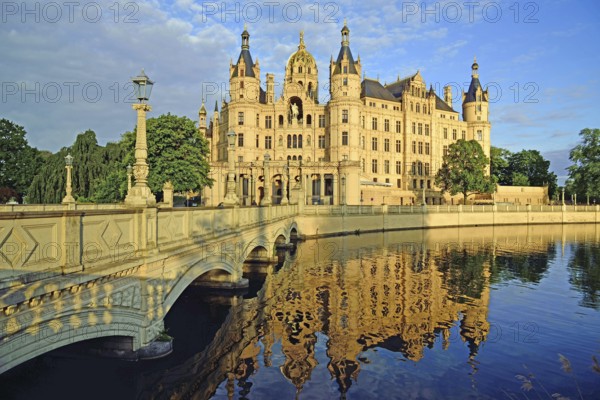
244, 76
202, 120
476, 111
301, 71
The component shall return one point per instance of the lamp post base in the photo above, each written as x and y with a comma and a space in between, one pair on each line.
140, 197
68, 199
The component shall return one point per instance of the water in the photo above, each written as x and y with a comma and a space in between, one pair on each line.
446, 313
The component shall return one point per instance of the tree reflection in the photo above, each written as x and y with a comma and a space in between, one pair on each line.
584, 270
528, 265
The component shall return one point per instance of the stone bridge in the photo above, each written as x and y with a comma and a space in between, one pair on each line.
112, 272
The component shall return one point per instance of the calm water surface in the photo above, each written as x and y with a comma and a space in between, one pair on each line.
447, 313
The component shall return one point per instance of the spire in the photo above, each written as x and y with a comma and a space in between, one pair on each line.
216, 106
301, 46
202, 109
345, 34
245, 38
475, 68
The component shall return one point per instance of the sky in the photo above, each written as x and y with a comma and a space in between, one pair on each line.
66, 67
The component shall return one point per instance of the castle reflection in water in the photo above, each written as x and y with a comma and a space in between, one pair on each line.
400, 291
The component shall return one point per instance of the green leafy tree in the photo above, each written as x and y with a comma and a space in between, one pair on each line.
176, 153
19, 162
463, 170
499, 165
530, 168
584, 173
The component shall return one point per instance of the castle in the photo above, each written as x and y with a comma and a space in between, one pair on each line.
368, 144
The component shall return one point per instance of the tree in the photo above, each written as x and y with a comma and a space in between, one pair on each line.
499, 165
19, 162
584, 173
530, 168
463, 170
176, 153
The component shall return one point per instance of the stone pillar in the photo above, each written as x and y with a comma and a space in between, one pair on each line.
309, 188
284, 193
140, 194
336, 197
266, 200
321, 188
168, 194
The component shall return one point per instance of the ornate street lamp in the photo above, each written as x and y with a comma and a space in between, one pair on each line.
68, 199
343, 190
140, 194
129, 172
231, 198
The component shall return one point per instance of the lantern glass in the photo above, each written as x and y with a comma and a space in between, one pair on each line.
69, 160
142, 86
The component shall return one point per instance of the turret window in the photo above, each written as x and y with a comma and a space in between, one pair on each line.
344, 138
240, 118
479, 135
345, 69
344, 116
240, 137
345, 82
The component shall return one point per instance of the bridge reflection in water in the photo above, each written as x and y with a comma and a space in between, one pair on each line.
400, 291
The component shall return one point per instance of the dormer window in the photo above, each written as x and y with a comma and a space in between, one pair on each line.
242, 72
345, 69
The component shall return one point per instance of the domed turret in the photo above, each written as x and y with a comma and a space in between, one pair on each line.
301, 69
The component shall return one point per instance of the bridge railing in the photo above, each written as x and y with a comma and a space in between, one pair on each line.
419, 209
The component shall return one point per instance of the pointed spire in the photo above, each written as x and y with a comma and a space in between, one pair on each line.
475, 68
202, 109
216, 106
301, 46
345, 34
245, 38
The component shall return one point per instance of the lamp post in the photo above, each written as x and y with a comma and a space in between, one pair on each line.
140, 194
266, 200
129, 172
231, 198
68, 199
563, 196
284, 180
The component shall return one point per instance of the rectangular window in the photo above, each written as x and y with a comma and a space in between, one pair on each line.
321, 121
420, 147
414, 183
240, 139
420, 168
427, 148
464, 135
268, 122
374, 124
445, 133
420, 130
268, 142
398, 127
414, 168
344, 116
362, 142
386, 145
479, 135
374, 166
426, 168
374, 144
414, 128
386, 125
398, 167
414, 147
257, 142
257, 119
453, 134
426, 129
386, 166
362, 163
398, 146
445, 150
321, 141
399, 183
344, 138
240, 118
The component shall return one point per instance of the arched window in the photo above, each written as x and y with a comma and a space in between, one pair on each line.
289, 158
424, 108
281, 120
300, 141
310, 94
289, 142
309, 119
294, 158
295, 141
411, 106
418, 107
300, 158
300, 83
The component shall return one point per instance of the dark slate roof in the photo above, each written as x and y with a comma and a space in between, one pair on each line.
398, 87
372, 88
245, 54
442, 105
262, 97
338, 64
470, 95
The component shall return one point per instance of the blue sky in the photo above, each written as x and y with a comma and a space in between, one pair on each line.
65, 66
